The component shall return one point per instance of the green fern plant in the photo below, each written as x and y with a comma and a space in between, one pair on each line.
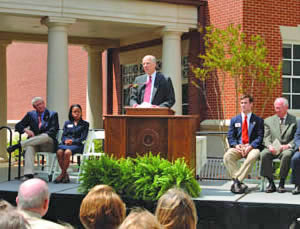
143, 178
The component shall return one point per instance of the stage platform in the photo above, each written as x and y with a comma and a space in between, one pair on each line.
217, 207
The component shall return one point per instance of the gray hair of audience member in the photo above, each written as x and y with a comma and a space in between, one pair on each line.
152, 58
10, 218
4, 205
283, 100
140, 218
176, 210
35, 99
32, 194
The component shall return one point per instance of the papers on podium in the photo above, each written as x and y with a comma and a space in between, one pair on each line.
276, 145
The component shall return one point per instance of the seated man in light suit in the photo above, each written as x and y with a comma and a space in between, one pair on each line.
245, 136
43, 127
152, 89
279, 143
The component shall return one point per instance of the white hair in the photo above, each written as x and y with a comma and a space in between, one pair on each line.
152, 58
282, 99
35, 99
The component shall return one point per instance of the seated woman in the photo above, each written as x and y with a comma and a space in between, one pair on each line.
75, 132
176, 210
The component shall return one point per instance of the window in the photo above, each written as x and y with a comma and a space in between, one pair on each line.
291, 74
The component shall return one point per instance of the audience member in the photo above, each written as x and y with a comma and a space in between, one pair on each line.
245, 136
11, 218
43, 126
295, 162
33, 202
140, 219
75, 132
279, 143
176, 210
102, 208
152, 89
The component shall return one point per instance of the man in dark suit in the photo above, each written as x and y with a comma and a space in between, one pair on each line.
152, 89
279, 143
295, 163
43, 126
245, 136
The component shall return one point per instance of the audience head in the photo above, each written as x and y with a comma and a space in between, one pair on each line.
10, 218
281, 106
149, 64
102, 208
140, 219
38, 104
176, 210
246, 103
34, 196
75, 112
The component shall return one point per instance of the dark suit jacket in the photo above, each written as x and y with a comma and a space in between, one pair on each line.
49, 126
255, 131
77, 133
163, 91
297, 137
272, 130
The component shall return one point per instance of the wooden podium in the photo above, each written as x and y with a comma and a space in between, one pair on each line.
155, 130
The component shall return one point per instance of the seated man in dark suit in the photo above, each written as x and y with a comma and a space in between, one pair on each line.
295, 164
43, 126
279, 143
152, 89
245, 136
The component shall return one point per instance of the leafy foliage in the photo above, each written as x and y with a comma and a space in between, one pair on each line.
143, 178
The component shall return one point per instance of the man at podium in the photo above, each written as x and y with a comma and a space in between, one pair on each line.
152, 89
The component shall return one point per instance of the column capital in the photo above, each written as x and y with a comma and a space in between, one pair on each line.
57, 21
174, 30
94, 48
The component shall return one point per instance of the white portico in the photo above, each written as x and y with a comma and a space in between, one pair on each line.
96, 25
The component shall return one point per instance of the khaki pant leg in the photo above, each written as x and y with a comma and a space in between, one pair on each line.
246, 167
32, 145
230, 160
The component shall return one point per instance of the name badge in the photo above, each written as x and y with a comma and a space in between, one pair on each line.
70, 125
237, 124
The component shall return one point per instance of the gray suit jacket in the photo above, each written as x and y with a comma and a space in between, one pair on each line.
272, 130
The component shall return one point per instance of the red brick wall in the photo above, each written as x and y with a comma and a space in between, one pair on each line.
256, 17
27, 72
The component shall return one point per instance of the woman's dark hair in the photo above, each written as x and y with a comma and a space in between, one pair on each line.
70, 111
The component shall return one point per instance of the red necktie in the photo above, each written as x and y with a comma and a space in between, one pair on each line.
148, 90
245, 138
40, 120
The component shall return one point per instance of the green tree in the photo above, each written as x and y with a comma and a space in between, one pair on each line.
229, 53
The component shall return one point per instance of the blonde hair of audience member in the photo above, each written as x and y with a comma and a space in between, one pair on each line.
176, 210
102, 208
10, 218
140, 219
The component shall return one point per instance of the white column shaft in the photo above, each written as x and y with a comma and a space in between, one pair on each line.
3, 99
171, 64
57, 71
94, 101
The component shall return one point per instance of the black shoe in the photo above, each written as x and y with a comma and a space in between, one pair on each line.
12, 148
271, 188
281, 189
27, 177
236, 188
296, 190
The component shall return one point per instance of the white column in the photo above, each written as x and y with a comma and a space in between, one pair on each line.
3, 98
94, 98
171, 63
57, 66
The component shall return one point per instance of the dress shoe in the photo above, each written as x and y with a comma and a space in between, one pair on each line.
281, 189
27, 177
12, 148
236, 188
271, 188
296, 190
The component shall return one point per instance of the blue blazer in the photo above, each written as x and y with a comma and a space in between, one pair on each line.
255, 131
163, 91
297, 137
49, 126
77, 133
